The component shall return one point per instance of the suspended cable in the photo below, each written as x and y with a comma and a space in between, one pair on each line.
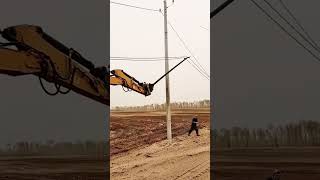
204, 28
144, 60
119, 57
137, 7
187, 48
204, 75
277, 23
283, 18
298, 23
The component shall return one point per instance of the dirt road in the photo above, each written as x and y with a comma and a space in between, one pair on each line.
188, 157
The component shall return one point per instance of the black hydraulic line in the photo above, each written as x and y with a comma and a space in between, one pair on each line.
170, 70
45, 90
220, 8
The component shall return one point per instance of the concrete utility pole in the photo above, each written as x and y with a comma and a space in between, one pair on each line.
168, 106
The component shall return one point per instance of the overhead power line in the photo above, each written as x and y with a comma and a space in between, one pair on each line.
132, 6
277, 23
204, 75
193, 64
199, 67
187, 48
144, 60
298, 23
149, 59
283, 18
204, 28
122, 57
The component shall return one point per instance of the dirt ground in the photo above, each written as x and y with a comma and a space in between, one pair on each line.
258, 163
139, 149
129, 130
187, 157
52, 168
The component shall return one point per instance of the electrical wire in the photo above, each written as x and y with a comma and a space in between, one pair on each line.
277, 23
199, 69
298, 23
137, 7
283, 18
144, 59
187, 48
119, 57
204, 28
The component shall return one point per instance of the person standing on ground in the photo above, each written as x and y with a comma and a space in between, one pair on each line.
194, 125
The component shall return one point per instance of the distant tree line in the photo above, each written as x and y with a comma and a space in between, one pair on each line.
55, 148
161, 107
302, 133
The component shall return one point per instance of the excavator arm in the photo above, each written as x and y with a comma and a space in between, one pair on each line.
38, 54
119, 77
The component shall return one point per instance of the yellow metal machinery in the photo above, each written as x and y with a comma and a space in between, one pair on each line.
30, 50
119, 77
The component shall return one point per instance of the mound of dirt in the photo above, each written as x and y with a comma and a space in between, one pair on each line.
187, 157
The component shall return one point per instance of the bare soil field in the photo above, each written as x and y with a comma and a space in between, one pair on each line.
139, 149
129, 130
296, 163
52, 168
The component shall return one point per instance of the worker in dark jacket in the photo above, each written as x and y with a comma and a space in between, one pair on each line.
194, 125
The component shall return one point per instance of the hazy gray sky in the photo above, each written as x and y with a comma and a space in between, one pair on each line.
139, 33
262, 75
27, 113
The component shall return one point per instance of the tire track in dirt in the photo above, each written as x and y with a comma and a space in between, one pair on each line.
195, 171
164, 160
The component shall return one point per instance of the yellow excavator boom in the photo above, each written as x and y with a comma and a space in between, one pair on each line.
37, 53
119, 77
